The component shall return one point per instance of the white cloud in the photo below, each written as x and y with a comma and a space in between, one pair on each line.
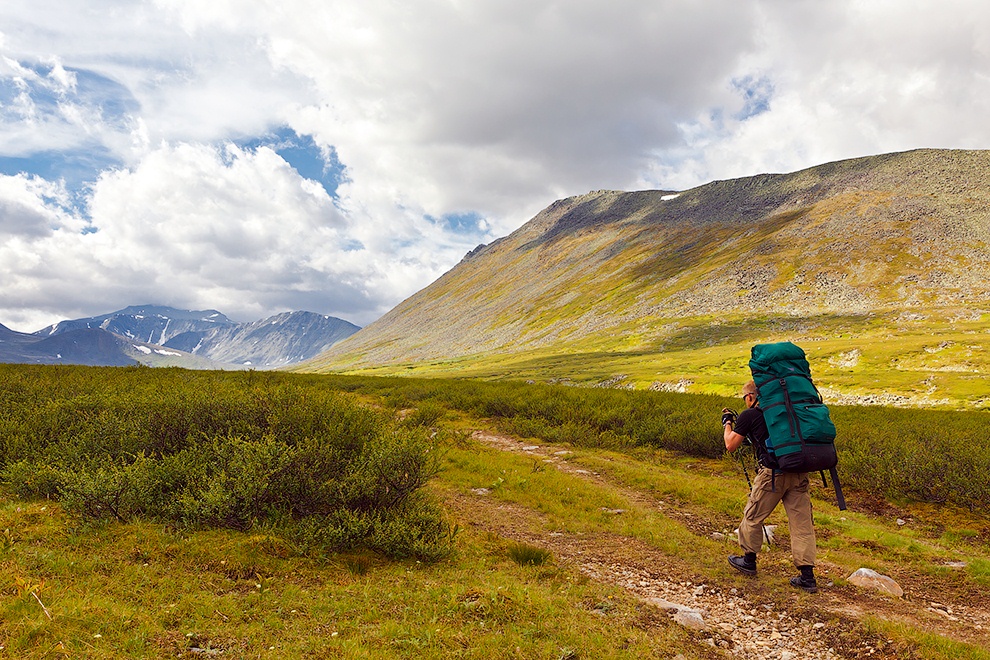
197, 227
435, 107
31, 207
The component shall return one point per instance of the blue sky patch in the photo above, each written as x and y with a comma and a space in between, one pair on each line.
465, 224
756, 92
303, 154
77, 170
40, 100
111, 101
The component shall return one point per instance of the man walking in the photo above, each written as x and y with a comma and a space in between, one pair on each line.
770, 486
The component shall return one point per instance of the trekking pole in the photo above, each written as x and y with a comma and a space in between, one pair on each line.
742, 461
749, 483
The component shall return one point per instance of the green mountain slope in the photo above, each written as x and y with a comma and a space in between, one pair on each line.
878, 265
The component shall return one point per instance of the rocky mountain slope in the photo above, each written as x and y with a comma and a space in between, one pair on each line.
894, 235
269, 343
92, 347
155, 335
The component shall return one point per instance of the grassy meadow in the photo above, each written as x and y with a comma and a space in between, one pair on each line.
935, 359
151, 513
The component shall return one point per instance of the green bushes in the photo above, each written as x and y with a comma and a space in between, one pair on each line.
241, 449
924, 455
213, 449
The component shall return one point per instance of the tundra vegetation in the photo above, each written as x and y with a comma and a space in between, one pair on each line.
153, 513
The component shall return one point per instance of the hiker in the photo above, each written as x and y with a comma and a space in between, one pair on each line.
770, 486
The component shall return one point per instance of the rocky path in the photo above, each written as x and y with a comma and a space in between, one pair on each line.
740, 624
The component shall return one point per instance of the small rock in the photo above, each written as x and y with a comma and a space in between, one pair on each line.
664, 604
683, 615
901, 522
718, 536
690, 619
865, 577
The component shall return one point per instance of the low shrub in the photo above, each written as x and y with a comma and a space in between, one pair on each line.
912, 454
528, 555
231, 450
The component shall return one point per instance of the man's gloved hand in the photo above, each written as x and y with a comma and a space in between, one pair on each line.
728, 416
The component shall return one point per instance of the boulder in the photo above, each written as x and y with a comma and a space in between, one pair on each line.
870, 579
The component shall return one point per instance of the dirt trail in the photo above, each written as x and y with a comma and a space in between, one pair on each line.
729, 618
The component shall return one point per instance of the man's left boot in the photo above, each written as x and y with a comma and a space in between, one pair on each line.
806, 580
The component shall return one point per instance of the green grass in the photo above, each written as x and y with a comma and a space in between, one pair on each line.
139, 590
528, 555
149, 586
897, 356
892, 453
927, 645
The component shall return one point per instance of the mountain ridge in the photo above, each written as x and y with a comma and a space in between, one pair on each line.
159, 335
886, 235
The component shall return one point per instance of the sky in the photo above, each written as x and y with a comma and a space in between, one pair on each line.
336, 156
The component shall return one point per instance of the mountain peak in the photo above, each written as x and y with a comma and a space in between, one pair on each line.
618, 270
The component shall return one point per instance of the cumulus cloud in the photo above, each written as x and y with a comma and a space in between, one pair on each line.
446, 123
194, 226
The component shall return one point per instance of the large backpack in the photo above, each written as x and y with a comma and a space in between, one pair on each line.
802, 435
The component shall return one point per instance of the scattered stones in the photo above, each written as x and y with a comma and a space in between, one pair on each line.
679, 386
870, 579
846, 360
616, 382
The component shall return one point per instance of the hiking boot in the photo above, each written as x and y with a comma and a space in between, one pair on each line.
806, 580
745, 564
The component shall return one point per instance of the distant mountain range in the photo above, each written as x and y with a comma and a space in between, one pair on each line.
163, 336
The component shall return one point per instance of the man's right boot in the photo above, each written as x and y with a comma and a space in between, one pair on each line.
745, 563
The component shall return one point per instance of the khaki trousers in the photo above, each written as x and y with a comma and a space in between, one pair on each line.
792, 490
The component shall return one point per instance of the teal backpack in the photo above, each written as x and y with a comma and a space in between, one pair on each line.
802, 435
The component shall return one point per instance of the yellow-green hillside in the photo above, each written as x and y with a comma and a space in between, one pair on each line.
877, 266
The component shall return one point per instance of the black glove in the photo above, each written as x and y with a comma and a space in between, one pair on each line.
728, 417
